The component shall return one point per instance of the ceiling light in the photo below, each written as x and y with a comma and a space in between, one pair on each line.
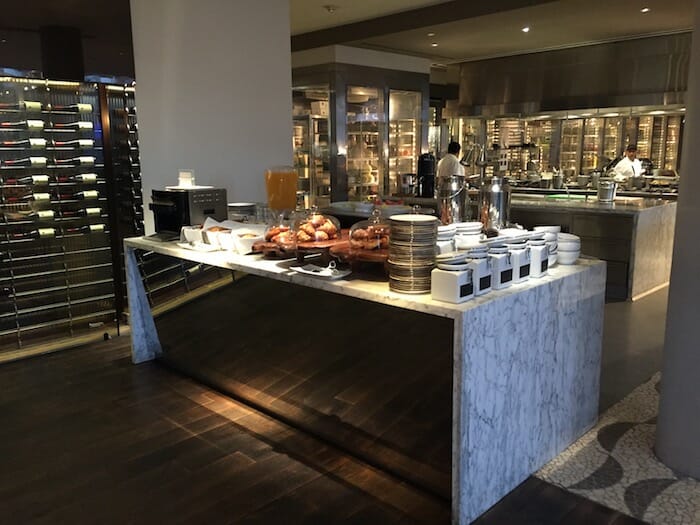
645, 10
611, 115
3, 41
657, 112
330, 8
431, 34
526, 29
586, 114
434, 44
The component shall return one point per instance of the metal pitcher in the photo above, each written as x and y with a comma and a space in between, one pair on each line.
494, 203
453, 199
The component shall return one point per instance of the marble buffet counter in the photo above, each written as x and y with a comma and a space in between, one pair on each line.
463, 400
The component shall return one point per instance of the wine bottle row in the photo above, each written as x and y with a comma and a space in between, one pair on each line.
43, 180
47, 215
49, 233
50, 196
38, 125
33, 106
42, 143
43, 162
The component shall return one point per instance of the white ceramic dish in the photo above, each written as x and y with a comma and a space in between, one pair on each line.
569, 246
452, 257
568, 237
245, 244
453, 267
413, 218
548, 229
567, 257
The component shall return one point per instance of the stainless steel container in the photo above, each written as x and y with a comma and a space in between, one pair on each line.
494, 203
453, 199
607, 190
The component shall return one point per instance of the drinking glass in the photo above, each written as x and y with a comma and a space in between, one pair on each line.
281, 186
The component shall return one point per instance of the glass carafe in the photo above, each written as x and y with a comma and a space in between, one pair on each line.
281, 186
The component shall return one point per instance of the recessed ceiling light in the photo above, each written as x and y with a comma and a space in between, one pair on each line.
526, 29
3, 41
586, 114
645, 9
611, 115
657, 112
434, 44
330, 9
431, 34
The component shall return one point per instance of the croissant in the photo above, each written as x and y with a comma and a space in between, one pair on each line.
308, 228
302, 236
321, 236
329, 228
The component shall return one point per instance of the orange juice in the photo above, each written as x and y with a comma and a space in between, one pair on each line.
281, 186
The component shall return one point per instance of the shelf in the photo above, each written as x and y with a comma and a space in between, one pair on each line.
59, 322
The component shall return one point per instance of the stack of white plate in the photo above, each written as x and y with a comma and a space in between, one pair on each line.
569, 248
446, 238
412, 252
468, 227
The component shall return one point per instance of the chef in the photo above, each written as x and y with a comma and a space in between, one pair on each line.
629, 166
449, 165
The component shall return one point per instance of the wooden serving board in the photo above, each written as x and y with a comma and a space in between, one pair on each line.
346, 254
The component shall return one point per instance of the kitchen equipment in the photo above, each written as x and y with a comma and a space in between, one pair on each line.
557, 181
177, 207
583, 180
494, 203
241, 211
409, 184
607, 190
426, 176
595, 179
453, 199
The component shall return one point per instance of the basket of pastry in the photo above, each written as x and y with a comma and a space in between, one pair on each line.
368, 241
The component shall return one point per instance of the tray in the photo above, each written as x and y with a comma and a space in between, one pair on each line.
346, 254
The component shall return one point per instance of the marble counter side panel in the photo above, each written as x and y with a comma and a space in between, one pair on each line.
653, 249
145, 345
526, 384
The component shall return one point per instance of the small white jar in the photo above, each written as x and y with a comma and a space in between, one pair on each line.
451, 286
481, 273
501, 268
539, 257
520, 259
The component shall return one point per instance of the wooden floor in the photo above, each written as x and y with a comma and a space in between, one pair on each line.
86, 437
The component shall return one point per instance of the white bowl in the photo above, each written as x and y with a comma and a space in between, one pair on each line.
569, 246
568, 237
466, 242
567, 257
549, 229
245, 244
550, 236
227, 241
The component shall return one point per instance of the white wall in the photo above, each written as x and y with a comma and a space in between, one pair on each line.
213, 91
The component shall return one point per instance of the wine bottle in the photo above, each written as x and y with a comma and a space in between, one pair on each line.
90, 212
86, 194
78, 125
24, 124
26, 105
39, 233
30, 179
87, 228
76, 108
33, 143
33, 162
86, 178
79, 143
76, 161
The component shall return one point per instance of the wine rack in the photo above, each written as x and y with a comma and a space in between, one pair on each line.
62, 190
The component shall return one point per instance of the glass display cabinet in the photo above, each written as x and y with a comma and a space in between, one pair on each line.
673, 131
540, 133
612, 143
570, 151
404, 136
311, 146
365, 143
644, 130
592, 144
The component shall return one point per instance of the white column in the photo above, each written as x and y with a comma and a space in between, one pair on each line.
678, 433
213, 92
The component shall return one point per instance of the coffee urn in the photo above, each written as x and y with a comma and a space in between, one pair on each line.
426, 175
494, 203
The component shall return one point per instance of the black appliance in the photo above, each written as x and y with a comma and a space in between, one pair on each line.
426, 175
175, 208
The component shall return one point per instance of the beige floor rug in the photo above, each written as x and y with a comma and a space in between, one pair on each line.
614, 464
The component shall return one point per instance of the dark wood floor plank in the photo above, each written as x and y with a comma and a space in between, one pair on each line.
95, 439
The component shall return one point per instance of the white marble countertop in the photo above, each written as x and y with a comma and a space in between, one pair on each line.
354, 285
